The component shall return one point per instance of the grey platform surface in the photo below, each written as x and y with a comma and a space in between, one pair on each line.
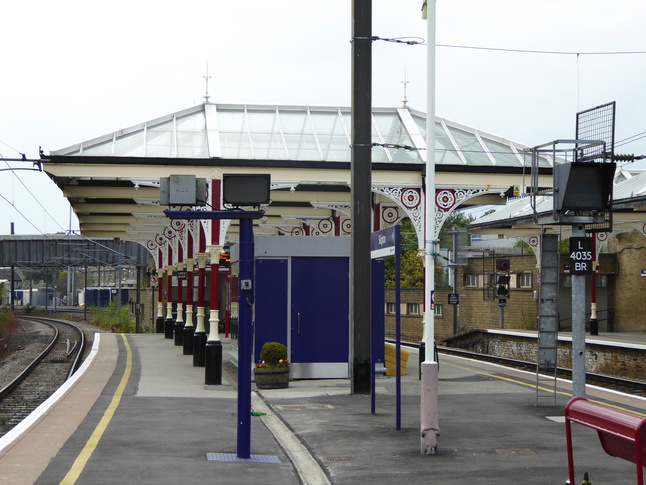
491, 430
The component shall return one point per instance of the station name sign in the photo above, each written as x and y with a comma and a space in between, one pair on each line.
581, 257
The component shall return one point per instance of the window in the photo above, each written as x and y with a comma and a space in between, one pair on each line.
390, 308
438, 310
471, 280
525, 280
412, 308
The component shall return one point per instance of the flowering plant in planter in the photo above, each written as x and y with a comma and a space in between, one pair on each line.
272, 372
273, 354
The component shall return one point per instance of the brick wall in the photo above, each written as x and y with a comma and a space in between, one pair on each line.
474, 311
411, 325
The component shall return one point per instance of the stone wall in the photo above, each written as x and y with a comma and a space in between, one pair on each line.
600, 358
628, 287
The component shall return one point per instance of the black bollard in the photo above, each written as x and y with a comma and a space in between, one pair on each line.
169, 324
199, 344
159, 325
213, 363
179, 333
594, 326
188, 340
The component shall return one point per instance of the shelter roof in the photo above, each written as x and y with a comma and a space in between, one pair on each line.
302, 133
629, 209
112, 181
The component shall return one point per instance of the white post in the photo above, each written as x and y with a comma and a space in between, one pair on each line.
169, 303
202, 258
160, 298
179, 321
214, 332
429, 426
190, 262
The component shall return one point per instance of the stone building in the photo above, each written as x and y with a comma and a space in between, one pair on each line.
479, 308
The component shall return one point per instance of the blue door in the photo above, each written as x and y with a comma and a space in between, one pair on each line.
319, 314
270, 303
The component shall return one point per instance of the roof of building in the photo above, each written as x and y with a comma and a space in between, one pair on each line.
303, 133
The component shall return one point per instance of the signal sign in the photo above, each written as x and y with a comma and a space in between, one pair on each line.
581, 255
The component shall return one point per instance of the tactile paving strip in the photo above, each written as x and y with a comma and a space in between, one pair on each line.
232, 457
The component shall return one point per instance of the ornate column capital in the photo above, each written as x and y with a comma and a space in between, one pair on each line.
202, 258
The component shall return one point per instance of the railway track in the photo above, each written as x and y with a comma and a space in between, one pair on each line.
61, 357
636, 388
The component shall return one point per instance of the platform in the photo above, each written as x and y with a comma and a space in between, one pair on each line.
154, 421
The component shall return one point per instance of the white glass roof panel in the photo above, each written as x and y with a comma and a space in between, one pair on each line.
502, 153
130, 145
296, 133
470, 147
333, 141
97, 150
159, 142
445, 151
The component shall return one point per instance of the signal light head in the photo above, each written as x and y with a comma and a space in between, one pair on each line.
502, 265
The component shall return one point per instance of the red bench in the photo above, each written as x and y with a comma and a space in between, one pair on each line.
621, 433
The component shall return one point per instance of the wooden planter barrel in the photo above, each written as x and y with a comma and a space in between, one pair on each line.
272, 377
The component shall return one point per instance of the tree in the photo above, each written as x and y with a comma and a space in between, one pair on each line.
457, 219
412, 264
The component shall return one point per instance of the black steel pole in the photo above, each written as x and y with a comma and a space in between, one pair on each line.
361, 184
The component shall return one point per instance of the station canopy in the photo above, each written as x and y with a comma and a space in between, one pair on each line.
112, 181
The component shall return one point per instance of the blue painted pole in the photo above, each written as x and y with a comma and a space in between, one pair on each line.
245, 338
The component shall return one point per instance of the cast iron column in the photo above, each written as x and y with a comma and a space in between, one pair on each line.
189, 329
179, 321
159, 321
199, 337
169, 323
213, 350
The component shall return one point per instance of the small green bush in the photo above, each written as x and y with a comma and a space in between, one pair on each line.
273, 352
107, 318
8, 327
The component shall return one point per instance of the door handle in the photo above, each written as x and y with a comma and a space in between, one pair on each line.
298, 320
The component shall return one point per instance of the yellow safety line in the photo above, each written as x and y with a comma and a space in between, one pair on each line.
93, 441
514, 381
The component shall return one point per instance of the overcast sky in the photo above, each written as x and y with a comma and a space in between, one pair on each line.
75, 70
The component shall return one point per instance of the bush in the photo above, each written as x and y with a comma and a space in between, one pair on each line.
273, 353
107, 318
8, 326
